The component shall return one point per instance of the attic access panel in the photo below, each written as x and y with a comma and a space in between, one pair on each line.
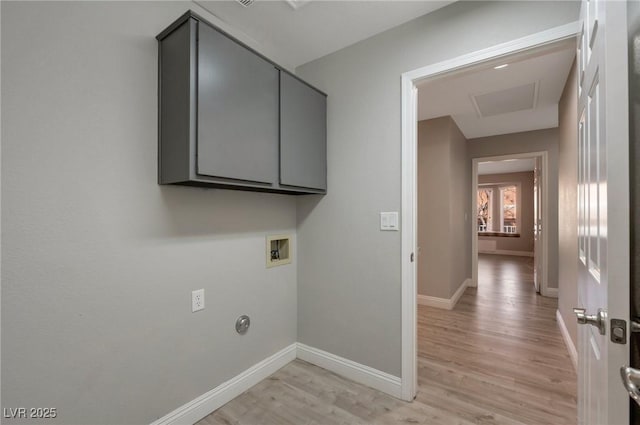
499, 102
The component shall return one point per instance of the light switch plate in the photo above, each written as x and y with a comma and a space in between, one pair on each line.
389, 221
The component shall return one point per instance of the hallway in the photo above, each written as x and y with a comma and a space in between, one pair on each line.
499, 351
497, 358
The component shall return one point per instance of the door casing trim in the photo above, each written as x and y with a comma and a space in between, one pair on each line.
544, 155
409, 121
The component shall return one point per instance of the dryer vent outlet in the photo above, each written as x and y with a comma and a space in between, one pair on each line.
242, 324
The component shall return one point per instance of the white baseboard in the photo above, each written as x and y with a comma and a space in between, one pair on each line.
200, 407
357, 372
567, 340
445, 303
466, 284
550, 292
507, 252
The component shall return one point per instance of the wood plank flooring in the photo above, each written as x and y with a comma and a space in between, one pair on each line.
497, 358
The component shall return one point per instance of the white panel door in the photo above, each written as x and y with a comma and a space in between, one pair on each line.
537, 224
603, 209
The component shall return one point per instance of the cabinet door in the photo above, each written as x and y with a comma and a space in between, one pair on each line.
303, 134
237, 111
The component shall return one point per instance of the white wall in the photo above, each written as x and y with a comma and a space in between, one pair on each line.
98, 260
349, 271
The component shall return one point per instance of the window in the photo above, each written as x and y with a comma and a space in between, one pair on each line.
508, 209
503, 198
485, 197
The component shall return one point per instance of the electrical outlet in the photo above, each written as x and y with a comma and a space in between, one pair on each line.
197, 300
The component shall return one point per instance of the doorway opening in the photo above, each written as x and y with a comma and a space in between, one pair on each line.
494, 58
511, 200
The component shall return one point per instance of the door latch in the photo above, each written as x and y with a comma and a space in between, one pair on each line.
618, 331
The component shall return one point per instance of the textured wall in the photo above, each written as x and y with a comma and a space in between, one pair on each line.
349, 271
98, 260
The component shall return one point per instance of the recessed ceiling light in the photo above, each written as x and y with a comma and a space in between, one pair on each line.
501, 66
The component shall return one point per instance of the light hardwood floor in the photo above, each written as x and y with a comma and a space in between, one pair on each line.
497, 358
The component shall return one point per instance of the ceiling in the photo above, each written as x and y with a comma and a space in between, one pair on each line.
506, 166
484, 101
315, 28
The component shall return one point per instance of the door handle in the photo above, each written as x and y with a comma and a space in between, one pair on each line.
598, 320
630, 378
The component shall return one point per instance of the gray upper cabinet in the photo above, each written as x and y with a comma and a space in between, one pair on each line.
303, 134
233, 119
237, 111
